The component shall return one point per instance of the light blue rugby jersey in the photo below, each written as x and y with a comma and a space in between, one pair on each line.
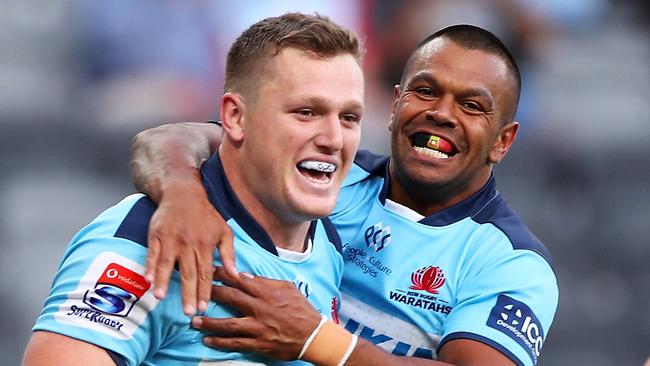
99, 294
471, 271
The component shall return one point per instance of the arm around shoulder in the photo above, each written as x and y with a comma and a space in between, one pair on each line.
171, 150
165, 162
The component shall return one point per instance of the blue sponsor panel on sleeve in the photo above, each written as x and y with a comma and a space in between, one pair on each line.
516, 320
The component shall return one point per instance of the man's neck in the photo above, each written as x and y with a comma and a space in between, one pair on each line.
285, 233
430, 200
287, 236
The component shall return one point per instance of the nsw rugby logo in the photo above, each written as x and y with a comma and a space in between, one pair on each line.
428, 279
425, 282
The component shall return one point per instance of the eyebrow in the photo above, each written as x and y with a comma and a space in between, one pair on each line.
478, 92
469, 92
351, 105
424, 76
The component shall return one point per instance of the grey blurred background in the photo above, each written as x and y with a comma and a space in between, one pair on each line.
78, 79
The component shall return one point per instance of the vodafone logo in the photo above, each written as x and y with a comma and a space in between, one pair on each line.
116, 291
112, 297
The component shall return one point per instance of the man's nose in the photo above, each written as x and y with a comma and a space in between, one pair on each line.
442, 113
330, 136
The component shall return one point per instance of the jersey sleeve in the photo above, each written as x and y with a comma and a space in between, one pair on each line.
508, 304
99, 294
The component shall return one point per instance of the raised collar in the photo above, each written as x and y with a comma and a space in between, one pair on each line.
469, 207
224, 199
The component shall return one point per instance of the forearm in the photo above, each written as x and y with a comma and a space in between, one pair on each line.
171, 152
287, 327
332, 345
366, 353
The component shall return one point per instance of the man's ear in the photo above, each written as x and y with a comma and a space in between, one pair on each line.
397, 90
505, 139
232, 116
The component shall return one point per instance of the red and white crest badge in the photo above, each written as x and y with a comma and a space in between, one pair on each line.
428, 279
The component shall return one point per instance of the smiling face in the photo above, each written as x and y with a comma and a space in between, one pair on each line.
296, 141
450, 123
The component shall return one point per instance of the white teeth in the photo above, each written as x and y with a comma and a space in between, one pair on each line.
430, 152
318, 166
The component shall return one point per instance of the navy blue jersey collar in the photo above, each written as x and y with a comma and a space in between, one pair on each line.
466, 208
223, 198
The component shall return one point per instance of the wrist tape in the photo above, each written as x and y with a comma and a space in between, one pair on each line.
328, 345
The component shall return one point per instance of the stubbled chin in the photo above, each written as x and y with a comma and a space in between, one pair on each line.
315, 207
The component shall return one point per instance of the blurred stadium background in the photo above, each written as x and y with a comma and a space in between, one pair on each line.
78, 79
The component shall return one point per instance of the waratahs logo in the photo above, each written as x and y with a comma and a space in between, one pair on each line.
517, 320
377, 236
116, 291
428, 279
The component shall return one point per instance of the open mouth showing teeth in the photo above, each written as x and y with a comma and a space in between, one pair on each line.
431, 145
319, 171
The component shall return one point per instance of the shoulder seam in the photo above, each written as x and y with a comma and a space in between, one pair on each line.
544, 254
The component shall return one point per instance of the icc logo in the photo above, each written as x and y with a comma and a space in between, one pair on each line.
378, 237
428, 279
518, 321
116, 291
525, 323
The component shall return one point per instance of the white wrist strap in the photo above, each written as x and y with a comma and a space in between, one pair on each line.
347, 353
311, 337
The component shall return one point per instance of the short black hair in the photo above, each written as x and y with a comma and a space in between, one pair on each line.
475, 38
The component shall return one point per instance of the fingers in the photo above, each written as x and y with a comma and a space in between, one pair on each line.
220, 274
247, 334
204, 287
163, 268
236, 298
187, 266
153, 253
226, 327
233, 344
244, 281
227, 253
252, 285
